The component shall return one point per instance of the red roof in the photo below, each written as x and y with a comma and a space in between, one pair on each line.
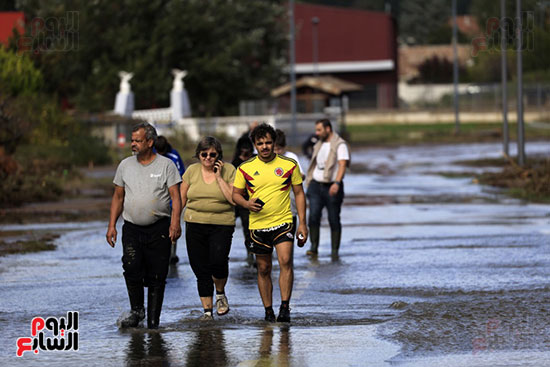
9, 21
344, 34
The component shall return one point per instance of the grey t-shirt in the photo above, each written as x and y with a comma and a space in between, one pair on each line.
146, 196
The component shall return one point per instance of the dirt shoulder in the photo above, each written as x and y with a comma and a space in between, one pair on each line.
14, 242
74, 209
86, 197
69, 210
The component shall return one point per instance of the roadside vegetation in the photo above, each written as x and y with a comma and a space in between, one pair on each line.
17, 243
444, 133
40, 144
530, 183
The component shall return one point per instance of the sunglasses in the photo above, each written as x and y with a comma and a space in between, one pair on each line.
212, 155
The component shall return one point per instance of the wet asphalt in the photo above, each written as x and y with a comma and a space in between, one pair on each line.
433, 271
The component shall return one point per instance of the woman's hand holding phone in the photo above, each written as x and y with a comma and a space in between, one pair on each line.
218, 164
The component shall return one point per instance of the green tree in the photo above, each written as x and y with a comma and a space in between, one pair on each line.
536, 39
436, 70
232, 50
7, 5
19, 80
484, 10
18, 74
419, 19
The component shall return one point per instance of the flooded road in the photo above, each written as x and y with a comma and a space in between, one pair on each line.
433, 271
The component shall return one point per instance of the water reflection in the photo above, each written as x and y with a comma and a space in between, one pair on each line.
207, 349
147, 350
267, 356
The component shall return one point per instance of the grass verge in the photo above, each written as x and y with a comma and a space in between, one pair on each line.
413, 134
43, 243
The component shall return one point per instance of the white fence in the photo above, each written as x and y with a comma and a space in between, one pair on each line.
154, 115
234, 126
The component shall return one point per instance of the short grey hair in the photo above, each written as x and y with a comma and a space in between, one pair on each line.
150, 131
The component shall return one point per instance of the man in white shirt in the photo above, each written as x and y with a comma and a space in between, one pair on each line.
280, 148
324, 177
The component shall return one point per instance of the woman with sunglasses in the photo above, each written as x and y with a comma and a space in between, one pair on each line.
209, 218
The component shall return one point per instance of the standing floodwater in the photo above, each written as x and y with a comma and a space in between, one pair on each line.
432, 271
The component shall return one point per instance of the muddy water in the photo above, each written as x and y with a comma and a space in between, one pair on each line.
433, 271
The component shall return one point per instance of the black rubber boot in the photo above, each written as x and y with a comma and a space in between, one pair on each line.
137, 313
314, 239
335, 237
174, 259
155, 296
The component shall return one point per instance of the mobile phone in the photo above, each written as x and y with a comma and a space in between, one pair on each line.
216, 167
260, 201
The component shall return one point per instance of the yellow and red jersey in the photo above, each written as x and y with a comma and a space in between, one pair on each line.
271, 182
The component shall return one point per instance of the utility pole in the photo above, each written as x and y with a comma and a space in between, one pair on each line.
315, 39
504, 78
455, 69
521, 138
293, 74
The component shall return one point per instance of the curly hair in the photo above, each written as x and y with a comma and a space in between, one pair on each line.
261, 131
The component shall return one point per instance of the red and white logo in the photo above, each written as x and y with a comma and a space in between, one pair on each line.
51, 334
279, 171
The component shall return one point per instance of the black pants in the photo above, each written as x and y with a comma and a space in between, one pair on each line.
146, 253
208, 248
244, 214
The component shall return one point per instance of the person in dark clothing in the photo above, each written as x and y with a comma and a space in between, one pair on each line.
164, 148
308, 144
243, 152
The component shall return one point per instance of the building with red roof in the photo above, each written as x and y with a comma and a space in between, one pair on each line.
8, 21
354, 45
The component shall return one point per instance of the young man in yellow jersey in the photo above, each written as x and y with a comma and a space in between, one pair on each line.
268, 178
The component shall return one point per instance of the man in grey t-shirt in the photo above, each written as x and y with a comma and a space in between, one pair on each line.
144, 185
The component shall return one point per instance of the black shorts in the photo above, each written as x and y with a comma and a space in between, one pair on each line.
263, 240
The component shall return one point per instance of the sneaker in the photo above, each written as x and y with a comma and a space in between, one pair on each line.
222, 305
207, 316
133, 319
284, 314
270, 316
